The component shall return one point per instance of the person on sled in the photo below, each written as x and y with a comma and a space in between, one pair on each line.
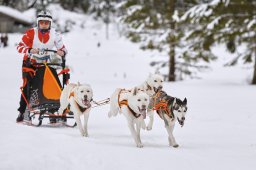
43, 36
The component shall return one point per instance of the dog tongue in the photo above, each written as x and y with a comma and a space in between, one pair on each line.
144, 114
87, 103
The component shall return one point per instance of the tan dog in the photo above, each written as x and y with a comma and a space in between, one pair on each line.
79, 97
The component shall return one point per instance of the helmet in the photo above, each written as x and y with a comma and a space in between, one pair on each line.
44, 15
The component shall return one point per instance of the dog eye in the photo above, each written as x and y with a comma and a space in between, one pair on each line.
146, 99
88, 91
139, 100
155, 81
161, 81
82, 91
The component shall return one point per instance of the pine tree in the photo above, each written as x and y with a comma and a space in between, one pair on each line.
222, 21
155, 24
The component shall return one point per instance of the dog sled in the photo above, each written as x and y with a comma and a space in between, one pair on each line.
44, 89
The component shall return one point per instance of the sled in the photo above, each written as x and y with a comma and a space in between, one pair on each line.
44, 90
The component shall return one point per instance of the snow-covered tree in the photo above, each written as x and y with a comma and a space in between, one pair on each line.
155, 24
224, 21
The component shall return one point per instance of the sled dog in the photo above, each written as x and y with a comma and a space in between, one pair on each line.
151, 86
169, 109
78, 97
133, 105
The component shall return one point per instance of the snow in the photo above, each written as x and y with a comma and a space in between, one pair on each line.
15, 14
219, 131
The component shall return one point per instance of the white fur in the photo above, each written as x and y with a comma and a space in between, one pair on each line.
136, 101
80, 91
155, 81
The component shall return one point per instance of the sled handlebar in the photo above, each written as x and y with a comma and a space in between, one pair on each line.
49, 64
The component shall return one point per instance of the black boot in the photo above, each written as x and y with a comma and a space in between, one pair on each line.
52, 120
20, 117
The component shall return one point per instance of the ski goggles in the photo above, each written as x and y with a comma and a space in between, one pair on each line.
45, 22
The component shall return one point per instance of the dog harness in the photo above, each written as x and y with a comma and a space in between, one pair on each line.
161, 106
82, 109
125, 103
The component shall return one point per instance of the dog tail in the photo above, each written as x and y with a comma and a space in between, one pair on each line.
114, 107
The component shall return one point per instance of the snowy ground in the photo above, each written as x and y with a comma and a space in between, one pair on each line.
219, 131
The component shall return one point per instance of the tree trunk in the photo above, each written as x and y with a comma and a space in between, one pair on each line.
171, 76
254, 72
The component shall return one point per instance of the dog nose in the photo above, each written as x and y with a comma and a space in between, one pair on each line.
160, 87
183, 118
85, 96
143, 106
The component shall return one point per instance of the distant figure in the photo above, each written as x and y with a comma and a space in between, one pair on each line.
1, 40
4, 40
98, 44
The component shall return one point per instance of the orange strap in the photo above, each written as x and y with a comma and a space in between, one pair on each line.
71, 94
123, 102
64, 71
29, 70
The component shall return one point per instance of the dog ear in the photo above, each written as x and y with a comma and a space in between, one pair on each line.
185, 101
174, 102
135, 91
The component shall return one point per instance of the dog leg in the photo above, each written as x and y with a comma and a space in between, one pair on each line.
141, 122
134, 134
86, 117
138, 127
79, 123
171, 139
151, 119
63, 104
75, 110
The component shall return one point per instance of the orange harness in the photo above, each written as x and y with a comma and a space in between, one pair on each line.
125, 103
162, 105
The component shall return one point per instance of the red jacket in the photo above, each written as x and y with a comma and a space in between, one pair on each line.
28, 41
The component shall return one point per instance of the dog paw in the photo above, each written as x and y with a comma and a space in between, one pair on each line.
84, 134
175, 145
149, 128
139, 145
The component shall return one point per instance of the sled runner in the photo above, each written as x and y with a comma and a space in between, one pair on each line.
44, 89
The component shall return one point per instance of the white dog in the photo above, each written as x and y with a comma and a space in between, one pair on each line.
133, 105
151, 86
79, 97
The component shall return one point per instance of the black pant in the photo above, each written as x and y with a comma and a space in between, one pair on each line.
23, 103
